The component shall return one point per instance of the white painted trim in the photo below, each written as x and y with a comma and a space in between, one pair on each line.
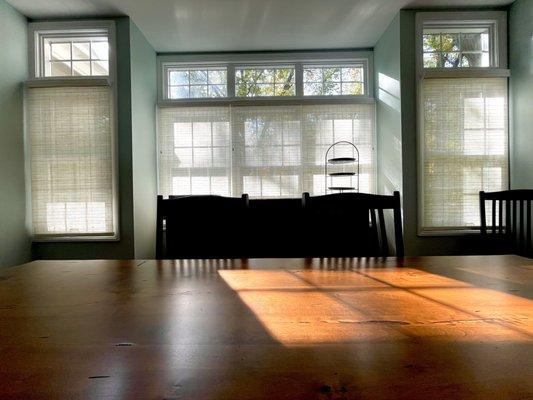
70, 81
465, 73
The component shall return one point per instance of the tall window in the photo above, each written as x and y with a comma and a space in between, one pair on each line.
70, 130
463, 117
255, 142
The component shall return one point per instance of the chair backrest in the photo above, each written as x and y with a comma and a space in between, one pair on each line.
352, 224
510, 218
200, 226
275, 228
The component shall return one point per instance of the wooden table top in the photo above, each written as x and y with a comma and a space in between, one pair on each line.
424, 328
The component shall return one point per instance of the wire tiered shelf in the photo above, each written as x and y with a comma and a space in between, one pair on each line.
349, 171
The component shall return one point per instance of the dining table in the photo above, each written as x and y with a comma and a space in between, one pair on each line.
440, 327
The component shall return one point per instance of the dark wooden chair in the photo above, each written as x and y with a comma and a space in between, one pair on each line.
510, 225
200, 226
352, 224
274, 228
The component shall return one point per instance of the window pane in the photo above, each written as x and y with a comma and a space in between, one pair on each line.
61, 68
449, 42
60, 51
475, 60
80, 51
331, 89
455, 49
197, 76
217, 77
313, 75
352, 74
257, 82
450, 60
331, 74
333, 80
198, 91
284, 89
179, 92
218, 91
100, 67
80, 68
178, 77
100, 50
431, 60
431, 43
197, 83
312, 89
353, 89
194, 142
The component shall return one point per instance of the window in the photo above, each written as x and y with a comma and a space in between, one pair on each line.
456, 48
265, 135
256, 77
268, 81
70, 52
333, 80
185, 83
265, 151
463, 123
70, 128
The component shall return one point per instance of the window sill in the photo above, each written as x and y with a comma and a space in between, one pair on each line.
448, 232
75, 239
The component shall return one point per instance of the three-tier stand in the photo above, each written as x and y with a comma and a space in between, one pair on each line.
350, 169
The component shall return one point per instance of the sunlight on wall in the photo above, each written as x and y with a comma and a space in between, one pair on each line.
319, 307
389, 91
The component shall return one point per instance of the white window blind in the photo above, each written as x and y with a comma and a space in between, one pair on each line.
265, 151
70, 135
465, 148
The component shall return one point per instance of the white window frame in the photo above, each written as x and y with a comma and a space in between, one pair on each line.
267, 59
496, 22
36, 32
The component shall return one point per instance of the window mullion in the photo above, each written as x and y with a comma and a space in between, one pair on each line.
230, 81
299, 79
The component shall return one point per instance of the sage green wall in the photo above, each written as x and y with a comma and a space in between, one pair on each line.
123, 248
388, 109
143, 100
14, 236
521, 88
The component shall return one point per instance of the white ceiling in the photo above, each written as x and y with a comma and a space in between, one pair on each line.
235, 25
